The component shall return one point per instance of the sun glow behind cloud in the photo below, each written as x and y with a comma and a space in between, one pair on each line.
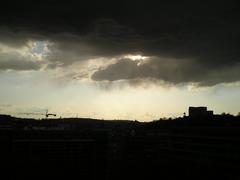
24, 92
136, 57
68, 90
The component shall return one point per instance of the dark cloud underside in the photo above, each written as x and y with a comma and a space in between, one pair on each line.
187, 41
169, 70
15, 61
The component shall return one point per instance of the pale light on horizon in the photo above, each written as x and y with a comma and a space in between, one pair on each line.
85, 99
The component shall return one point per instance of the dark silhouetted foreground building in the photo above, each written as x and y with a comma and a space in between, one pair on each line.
199, 112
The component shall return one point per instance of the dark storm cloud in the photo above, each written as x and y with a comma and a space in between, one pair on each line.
15, 61
201, 38
107, 38
173, 71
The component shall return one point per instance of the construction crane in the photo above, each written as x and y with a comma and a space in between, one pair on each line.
46, 114
49, 114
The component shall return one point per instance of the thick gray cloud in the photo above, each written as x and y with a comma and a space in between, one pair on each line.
107, 38
17, 37
174, 71
190, 41
16, 61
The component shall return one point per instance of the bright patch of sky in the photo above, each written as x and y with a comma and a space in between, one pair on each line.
31, 92
38, 49
35, 91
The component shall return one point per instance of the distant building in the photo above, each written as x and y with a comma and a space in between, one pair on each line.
210, 113
200, 111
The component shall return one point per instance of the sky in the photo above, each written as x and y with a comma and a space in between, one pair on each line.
137, 60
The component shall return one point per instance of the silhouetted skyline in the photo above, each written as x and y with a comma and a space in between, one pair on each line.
198, 146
